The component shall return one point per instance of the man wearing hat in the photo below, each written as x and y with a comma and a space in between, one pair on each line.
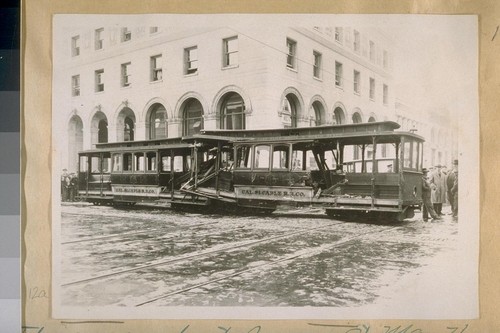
452, 188
427, 208
439, 191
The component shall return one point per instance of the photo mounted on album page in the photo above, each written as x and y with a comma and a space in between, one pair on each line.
265, 166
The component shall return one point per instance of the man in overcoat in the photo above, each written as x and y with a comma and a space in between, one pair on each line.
450, 181
438, 196
427, 208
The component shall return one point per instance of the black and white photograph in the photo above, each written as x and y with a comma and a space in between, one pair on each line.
273, 166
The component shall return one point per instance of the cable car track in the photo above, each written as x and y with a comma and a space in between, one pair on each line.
150, 264
246, 269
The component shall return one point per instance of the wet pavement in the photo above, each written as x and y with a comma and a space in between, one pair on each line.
156, 257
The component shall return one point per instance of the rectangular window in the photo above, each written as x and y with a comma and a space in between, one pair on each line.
99, 42
139, 162
99, 80
95, 164
83, 163
75, 85
125, 75
291, 61
165, 163
372, 88
338, 74
372, 51
356, 81
297, 158
243, 158
75, 46
156, 68
153, 30
317, 65
126, 34
261, 158
127, 162
386, 95
338, 34
230, 56
385, 60
357, 41
280, 157
117, 162
151, 161
191, 60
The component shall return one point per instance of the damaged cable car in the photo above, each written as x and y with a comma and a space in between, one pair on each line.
352, 171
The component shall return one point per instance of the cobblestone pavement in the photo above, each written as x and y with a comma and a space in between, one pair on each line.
298, 257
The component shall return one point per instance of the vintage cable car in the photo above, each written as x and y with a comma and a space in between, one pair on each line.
126, 173
352, 171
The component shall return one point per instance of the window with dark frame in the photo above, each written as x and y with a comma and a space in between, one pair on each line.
99, 41
75, 46
156, 68
356, 81
372, 51
191, 60
372, 88
153, 30
125, 74
357, 41
317, 65
291, 61
126, 34
75, 85
338, 34
99, 80
230, 51
385, 99
338, 74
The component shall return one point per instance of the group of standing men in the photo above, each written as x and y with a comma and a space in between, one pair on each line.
69, 186
438, 186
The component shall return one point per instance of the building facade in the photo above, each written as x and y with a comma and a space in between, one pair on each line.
137, 83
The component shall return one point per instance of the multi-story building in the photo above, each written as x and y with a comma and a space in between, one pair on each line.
134, 83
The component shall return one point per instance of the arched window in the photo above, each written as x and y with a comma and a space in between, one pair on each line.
158, 128
338, 116
125, 125
128, 131
232, 113
319, 112
290, 108
356, 118
75, 141
102, 131
371, 119
192, 117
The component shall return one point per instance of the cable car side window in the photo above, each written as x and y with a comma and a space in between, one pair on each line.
297, 158
281, 157
165, 163
95, 166
117, 162
261, 157
414, 156
106, 164
83, 163
151, 161
243, 154
407, 154
139, 161
127, 162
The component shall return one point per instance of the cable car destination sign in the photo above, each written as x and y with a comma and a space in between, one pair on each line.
274, 193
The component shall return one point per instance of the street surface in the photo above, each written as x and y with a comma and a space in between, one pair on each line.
158, 257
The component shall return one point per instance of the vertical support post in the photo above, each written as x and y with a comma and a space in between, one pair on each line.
195, 164
172, 175
400, 155
363, 164
374, 168
218, 161
101, 174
